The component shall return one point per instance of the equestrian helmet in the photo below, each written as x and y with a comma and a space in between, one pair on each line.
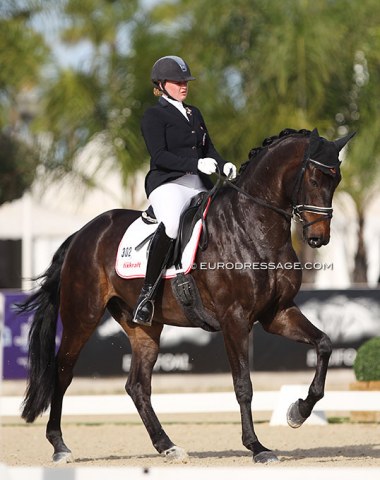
171, 68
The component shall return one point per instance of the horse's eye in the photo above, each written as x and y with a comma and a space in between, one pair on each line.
314, 183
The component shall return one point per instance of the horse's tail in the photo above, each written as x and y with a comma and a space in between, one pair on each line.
44, 303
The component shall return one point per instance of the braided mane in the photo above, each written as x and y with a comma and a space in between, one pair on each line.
254, 152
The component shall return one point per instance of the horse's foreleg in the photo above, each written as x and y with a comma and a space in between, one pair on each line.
145, 348
236, 339
292, 324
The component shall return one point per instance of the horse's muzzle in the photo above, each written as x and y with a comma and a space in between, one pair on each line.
317, 241
316, 229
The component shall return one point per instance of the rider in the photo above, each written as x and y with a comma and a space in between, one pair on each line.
182, 157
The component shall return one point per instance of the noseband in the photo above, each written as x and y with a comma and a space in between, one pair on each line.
325, 212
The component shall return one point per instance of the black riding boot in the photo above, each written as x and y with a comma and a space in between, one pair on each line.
159, 254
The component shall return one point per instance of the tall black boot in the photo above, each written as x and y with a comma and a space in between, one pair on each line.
159, 254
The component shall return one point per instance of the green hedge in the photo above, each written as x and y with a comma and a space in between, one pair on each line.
367, 361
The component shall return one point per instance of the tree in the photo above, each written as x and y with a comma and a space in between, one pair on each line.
80, 103
18, 164
107, 93
361, 167
359, 112
262, 66
22, 53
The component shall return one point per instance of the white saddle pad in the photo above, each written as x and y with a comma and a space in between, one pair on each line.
131, 263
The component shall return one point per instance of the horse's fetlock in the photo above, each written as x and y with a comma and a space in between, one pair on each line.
256, 447
161, 441
319, 396
304, 408
53, 434
316, 394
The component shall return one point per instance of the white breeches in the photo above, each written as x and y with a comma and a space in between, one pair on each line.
170, 200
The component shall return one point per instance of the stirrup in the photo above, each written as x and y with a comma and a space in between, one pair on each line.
144, 312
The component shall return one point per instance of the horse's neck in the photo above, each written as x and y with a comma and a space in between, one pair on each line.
270, 178
267, 178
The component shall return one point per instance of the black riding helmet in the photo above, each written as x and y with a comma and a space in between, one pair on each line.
170, 68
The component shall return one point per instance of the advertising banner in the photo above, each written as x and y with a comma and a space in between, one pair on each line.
14, 336
349, 317
182, 350
108, 351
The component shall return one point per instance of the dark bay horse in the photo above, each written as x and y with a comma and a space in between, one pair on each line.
248, 222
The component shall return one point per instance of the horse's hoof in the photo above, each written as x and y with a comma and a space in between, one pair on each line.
63, 457
294, 417
265, 457
176, 455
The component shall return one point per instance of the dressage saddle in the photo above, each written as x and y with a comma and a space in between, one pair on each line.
188, 219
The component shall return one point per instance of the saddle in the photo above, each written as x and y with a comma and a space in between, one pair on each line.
189, 217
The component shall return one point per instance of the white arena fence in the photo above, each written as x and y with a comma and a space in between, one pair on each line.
188, 473
276, 402
272, 401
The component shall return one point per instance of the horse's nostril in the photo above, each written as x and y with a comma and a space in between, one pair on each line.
315, 242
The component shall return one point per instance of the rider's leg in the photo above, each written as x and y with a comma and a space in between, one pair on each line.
168, 202
159, 255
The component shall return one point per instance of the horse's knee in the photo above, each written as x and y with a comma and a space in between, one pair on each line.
325, 346
137, 392
134, 392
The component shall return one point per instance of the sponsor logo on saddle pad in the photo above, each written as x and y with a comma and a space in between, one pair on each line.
131, 263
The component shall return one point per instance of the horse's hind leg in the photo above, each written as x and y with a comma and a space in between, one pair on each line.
292, 324
145, 347
74, 336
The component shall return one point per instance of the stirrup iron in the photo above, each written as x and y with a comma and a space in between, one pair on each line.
149, 315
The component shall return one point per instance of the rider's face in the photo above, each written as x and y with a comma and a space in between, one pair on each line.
177, 90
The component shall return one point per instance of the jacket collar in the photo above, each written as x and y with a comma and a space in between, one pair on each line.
164, 103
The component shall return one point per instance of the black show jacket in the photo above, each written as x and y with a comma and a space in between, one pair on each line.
175, 144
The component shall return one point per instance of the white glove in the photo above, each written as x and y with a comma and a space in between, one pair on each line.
207, 165
229, 170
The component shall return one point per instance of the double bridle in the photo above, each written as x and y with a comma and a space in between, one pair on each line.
325, 212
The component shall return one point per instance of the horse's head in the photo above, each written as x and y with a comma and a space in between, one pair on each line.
315, 186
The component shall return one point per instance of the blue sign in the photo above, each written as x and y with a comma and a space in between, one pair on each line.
15, 337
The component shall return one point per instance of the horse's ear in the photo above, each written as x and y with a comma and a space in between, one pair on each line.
314, 142
315, 133
341, 142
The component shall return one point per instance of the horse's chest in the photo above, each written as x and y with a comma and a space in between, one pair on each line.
276, 281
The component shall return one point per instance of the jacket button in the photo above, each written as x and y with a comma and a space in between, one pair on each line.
192, 131
194, 147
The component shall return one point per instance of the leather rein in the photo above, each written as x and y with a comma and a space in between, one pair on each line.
325, 212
